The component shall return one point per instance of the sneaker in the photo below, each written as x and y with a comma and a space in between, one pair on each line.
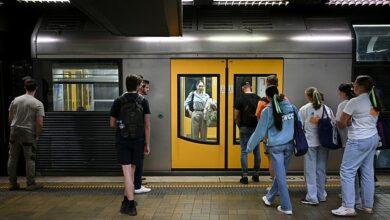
34, 187
123, 206
13, 187
266, 202
244, 180
365, 210
322, 200
287, 212
143, 189
342, 211
304, 201
255, 178
127, 209
268, 189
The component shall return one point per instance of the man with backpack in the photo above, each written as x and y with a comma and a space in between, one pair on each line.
245, 118
130, 115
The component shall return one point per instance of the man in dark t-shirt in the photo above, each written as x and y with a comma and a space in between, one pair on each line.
130, 151
245, 118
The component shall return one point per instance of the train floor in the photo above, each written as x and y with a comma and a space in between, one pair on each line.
173, 197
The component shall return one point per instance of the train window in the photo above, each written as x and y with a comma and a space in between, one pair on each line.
198, 108
84, 87
258, 84
372, 43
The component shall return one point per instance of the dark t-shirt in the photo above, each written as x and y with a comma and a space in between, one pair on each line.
247, 104
116, 106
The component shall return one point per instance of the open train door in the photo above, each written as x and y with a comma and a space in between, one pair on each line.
198, 142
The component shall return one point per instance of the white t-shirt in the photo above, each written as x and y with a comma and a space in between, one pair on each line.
364, 117
344, 131
310, 118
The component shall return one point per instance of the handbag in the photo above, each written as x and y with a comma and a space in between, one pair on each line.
383, 127
327, 131
191, 106
299, 140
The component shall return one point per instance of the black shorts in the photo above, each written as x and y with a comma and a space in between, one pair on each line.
129, 151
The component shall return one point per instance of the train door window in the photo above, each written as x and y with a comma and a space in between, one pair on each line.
258, 84
84, 87
198, 108
372, 43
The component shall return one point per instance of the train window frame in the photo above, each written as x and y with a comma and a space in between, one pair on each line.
92, 82
181, 108
237, 88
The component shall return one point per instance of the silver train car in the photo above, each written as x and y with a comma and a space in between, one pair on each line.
82, 69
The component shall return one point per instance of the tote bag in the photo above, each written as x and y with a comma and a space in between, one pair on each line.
300, 142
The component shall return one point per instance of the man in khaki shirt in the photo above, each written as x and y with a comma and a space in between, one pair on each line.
26, 121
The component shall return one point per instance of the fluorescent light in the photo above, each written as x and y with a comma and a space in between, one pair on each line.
358, 2
371, 25
237, 38
166, 39
321, 38
251, 2
47, 1
47, 39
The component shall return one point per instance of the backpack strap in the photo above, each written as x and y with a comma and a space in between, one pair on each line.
324, 111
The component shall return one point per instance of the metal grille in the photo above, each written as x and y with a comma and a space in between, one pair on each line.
77, 143
62, 23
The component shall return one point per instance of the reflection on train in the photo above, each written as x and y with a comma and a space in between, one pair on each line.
195, 80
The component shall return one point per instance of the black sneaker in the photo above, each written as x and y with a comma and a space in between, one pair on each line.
127, 209
304, 201
13, 187
244, 180
255, 178
123, 206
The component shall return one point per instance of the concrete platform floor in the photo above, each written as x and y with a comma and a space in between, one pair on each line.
173, 197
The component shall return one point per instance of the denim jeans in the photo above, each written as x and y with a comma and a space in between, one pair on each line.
280, 158
357, 183
315, 173
359, 153
245, 134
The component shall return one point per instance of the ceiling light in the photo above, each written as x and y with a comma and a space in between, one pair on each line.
358, 2
166, 39
321, 38
47, 39
45, 1
250, 2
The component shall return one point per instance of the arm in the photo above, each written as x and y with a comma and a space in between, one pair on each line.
260, 131
10, 117
112, 122
237, 117
345, 120
147, 134
38, 127
187, 102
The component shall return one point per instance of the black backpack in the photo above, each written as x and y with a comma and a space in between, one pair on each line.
327, 131
249, 112
131, 117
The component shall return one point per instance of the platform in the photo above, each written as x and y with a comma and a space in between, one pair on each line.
173, 197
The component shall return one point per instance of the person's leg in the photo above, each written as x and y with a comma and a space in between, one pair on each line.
322, 158
29, 151
138, 174
203, 128
256, 164
310, 168
367, 175
244, 138
12, 166
195, 125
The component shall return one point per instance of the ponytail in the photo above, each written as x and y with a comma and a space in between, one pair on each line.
273, 92
374, 99
367, 84
315, 97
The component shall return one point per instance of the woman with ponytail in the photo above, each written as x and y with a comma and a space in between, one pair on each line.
360, 116
277, 123
316, 157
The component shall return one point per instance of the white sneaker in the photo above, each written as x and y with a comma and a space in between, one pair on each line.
143, 189
289, 212
342, 211
365, 210
268, 189
266, 202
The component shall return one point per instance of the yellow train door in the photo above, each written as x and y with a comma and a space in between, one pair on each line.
255, 71
198, 140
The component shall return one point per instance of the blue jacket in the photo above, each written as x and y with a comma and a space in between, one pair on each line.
266, 127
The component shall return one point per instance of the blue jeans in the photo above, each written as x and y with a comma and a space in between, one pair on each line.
245, 134
359, 153
315, 173
280, 158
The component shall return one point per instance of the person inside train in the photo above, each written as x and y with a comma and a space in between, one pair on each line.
198, 99
132, 136
245, 118
315, 160
139, 168
277, 121
360, 116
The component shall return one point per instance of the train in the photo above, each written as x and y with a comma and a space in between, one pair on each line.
81, 68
